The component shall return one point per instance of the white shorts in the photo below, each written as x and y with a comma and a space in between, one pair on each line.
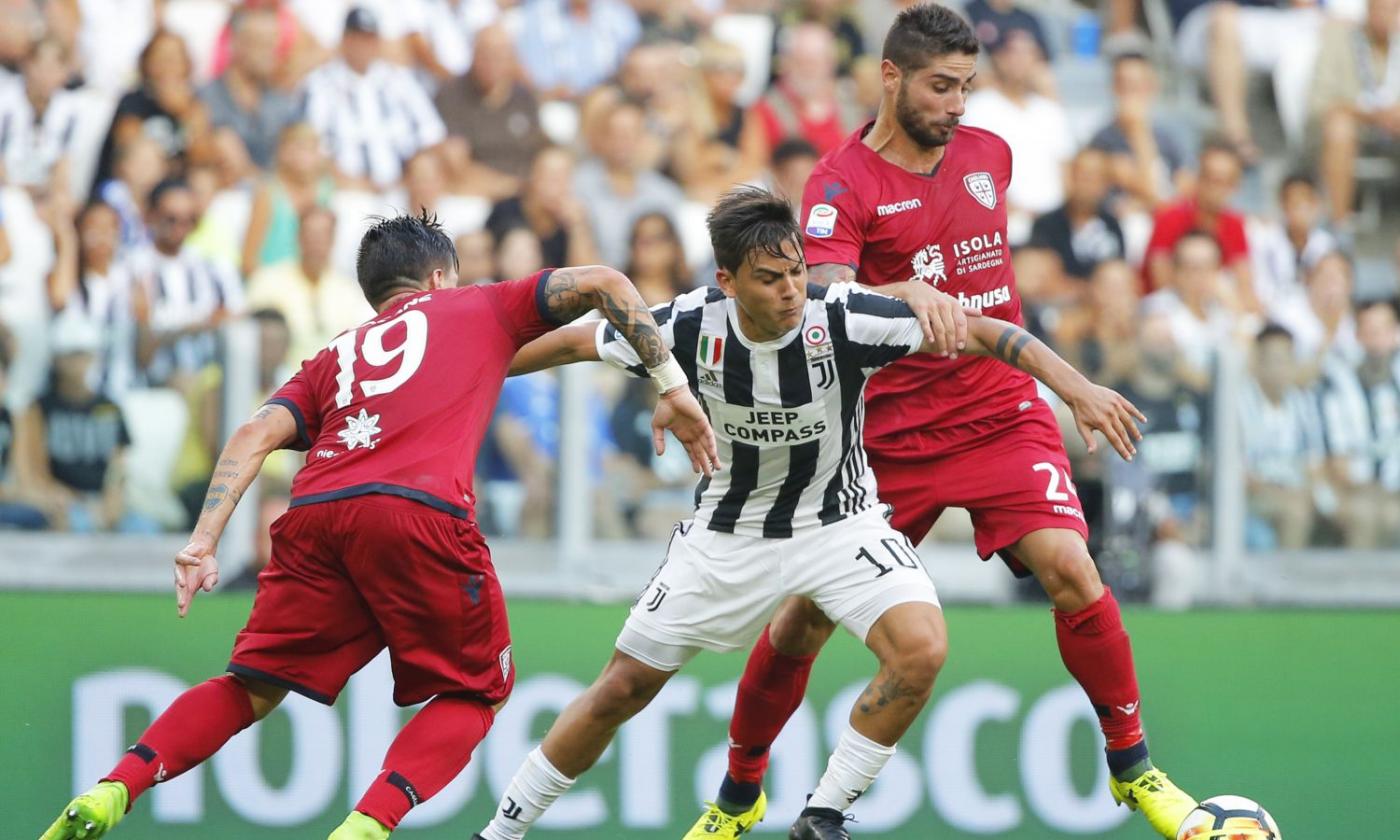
716, 591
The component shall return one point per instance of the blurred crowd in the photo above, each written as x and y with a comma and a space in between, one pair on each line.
174, 166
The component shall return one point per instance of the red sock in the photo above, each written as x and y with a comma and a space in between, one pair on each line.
428, 753
195, 726
1096, 650
769, 692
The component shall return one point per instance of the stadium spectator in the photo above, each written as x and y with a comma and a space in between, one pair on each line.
492, 109
140, 165
1283, 252
245, 98
164, 107
791, 165
1325, 329
371, 115
41, 121
1034, 126
72, 440
614, 188
1192, 302
180, 296
549, 206
807, 99
715, 114
316, 301
568, 47
1158, 496
518, 249
836, 16
1149, 165
656, 261
204, 399
1225, 40
1207, 210
1354, 104
656, 77
475, 258
301, 180
1282, 446
18, 507
426, 187
90, 284
652, 492
1099, 337
995, 20
1361, 416
1081, 233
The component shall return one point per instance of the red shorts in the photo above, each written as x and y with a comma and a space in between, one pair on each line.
350, 577
1014, 480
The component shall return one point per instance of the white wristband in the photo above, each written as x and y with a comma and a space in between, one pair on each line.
668, 376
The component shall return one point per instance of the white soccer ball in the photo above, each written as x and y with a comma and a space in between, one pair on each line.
1229, 818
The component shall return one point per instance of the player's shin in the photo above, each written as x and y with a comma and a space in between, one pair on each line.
769, 693
535, 787
1097, 652
428, 754
193, 728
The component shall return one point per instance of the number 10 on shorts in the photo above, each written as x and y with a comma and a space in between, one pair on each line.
898, 549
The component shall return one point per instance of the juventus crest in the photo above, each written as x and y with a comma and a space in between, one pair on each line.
981, 187
821, 355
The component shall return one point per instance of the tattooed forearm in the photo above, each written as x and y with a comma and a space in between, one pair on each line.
571, 292
1012, 341
824, 274
218, 494
264, 412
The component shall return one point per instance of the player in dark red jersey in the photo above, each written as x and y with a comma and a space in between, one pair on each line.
380, 548
913, 205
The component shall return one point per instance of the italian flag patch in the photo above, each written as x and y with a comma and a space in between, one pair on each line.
711, 351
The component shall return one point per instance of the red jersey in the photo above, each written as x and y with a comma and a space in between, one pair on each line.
399, 404
1176, 220
948, 229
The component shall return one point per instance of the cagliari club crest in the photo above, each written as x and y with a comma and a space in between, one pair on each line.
980, 186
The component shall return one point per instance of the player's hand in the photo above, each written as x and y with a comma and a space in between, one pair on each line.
944, 319
679, 411
196, 568
1105, 410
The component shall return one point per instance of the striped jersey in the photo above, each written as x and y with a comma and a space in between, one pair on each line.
788, 414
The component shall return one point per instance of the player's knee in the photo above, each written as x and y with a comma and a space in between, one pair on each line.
918, 661
1069, 576
623, 690
263, 697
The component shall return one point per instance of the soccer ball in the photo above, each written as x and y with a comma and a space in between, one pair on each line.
1229, 818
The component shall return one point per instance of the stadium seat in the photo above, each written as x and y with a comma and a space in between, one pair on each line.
157, 419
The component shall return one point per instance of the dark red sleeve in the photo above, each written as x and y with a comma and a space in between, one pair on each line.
833, 221
298, 397
1165, 232
522, 307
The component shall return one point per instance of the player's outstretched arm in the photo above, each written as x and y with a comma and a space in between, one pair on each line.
196, 567
943, 318
564, 346
1095, 407
571, 292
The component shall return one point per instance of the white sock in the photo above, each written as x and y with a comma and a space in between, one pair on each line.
852, 768
535, 787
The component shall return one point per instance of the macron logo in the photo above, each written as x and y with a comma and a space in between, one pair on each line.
898, 207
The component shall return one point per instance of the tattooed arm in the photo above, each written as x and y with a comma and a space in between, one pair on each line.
196, 568
1094, 407
824, 274
572, 292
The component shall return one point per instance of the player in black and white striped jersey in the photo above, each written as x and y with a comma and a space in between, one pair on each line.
780, 368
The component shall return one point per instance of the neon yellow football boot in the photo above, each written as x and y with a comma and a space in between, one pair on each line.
715, 824
1163, 803
359, 826
92, 814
